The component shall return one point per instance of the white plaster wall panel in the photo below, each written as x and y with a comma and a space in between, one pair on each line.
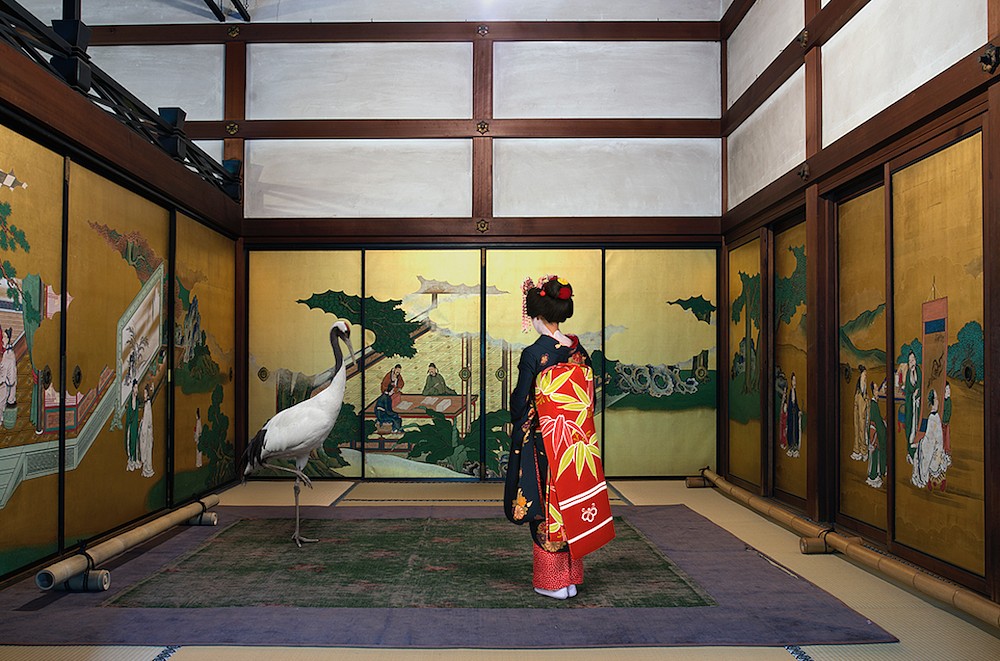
607, 177
770, 142
606, 79
187, 76
105, 12
44, 10
213, 148
762, 34
482, 10
724, 7
359, 81
890, 48
358, 178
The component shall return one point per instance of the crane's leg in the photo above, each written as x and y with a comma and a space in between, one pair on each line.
294, 471
297, 538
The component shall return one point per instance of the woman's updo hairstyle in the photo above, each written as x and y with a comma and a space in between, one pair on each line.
553, 301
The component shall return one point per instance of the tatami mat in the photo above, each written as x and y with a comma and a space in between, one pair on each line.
635, 654
281, 492
926, 630
423, 493
79, 653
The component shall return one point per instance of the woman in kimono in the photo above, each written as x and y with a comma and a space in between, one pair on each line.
556, 573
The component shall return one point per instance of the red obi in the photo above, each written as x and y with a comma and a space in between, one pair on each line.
578, 511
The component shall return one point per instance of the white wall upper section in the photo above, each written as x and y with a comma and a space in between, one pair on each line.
213, 148
888, 50
186, 76
762, 34
359, 81
606, 79
105, 12
607, 177
770, 142
358, 178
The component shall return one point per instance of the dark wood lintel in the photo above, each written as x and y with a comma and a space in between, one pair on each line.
465, 230
107, 35
456, 128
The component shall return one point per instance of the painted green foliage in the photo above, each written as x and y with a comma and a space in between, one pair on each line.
196, 371
969, 350
212, 442
11, 238
440, 443
746, 307
862, 322
393, 333
790, 292
698, 306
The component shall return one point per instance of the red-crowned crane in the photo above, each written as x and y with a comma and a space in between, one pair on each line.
293, 433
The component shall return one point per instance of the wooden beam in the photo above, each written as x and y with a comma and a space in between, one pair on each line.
240, 344
822, 359
465, 230
993, 21
482, 81
818, 30
36, 95
991, 247
814, 102
812, 9
733, 17
105, 35
456, 128
482, 178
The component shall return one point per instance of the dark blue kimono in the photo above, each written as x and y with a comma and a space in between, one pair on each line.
527, 467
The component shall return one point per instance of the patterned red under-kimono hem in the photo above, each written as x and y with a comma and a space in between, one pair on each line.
554, 571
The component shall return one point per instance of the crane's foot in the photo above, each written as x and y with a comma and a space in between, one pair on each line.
300, 540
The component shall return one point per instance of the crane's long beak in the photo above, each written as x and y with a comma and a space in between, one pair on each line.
350, 348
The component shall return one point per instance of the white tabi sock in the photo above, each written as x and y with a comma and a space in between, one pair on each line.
561, 593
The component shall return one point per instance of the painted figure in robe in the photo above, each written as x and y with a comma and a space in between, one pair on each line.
435, 385
861, 437
793, 427
877, 439
931, 462
911, 405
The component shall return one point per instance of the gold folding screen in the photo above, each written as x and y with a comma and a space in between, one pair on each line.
31, 200
865, 426
938, 330
443, 412
744, 405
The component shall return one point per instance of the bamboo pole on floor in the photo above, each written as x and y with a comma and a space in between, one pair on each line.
958, 597
61, 572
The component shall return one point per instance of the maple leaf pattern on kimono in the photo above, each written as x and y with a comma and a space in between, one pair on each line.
572, 443
521, 505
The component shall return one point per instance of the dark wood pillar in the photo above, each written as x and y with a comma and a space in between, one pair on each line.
991, 248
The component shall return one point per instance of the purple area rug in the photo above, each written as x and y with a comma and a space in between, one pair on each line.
759, 603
